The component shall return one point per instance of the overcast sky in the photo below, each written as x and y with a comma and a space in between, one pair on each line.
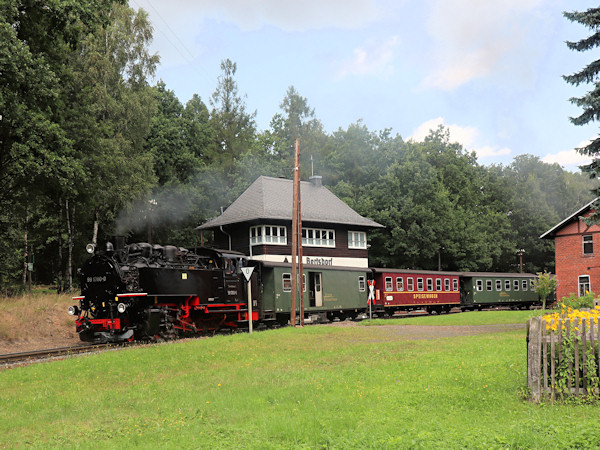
489, 70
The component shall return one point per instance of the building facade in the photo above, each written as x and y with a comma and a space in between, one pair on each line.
577, 254
259, 223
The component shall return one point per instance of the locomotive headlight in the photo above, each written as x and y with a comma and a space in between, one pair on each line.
90, 248
73, 310
121, 307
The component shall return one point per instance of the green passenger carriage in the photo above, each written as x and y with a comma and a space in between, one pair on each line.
328, 292
484, 290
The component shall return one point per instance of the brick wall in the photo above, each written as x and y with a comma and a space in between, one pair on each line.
571, 263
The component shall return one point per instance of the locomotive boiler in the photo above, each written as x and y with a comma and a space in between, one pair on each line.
143, 291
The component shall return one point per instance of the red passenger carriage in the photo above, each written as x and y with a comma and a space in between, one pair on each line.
406, 290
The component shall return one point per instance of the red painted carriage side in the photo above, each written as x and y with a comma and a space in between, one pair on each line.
412, 289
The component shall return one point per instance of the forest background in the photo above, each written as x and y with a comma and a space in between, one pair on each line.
90, 148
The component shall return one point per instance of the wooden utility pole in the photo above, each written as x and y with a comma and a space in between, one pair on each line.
294, 237
300, 237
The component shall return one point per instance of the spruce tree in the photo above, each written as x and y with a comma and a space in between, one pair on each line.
590, 102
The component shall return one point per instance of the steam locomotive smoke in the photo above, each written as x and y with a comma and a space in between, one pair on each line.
166, 207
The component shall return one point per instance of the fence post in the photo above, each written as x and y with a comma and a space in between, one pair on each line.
534, 334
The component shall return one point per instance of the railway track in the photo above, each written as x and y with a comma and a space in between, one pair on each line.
11, 359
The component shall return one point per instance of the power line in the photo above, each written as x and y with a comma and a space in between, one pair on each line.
189, 58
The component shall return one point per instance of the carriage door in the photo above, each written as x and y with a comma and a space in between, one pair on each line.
316, 288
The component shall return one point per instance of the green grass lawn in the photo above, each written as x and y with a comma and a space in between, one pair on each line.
355, 387
466, 318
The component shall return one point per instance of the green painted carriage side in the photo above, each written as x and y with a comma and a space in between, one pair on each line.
495, 296
342, 289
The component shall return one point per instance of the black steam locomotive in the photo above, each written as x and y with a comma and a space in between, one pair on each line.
143, 291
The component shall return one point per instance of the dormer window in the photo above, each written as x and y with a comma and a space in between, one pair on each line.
268, 234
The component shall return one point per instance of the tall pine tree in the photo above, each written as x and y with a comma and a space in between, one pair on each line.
590, 102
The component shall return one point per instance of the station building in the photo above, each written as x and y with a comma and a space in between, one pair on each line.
334, 241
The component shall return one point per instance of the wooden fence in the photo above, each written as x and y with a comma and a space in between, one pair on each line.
562, 357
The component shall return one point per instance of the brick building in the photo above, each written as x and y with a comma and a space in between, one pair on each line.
577, 254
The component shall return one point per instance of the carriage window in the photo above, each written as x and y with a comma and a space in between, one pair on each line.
410, 284
524, 285
498, 285
438, 284
455, 284
584, 285
488, 285
287, 282
515, 285
361, 283
388, 284
399, 284
429, 284
447, 284
479, 284
507, 285
420, 285
588, 244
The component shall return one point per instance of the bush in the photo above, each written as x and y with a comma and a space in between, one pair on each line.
576, 302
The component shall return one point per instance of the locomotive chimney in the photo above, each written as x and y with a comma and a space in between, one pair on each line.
119, 242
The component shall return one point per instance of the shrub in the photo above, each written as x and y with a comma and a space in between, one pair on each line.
576, 302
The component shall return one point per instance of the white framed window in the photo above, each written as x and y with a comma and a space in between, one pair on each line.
507, 285
524, 285
388, 284
455, 284
286, 279
361, 283
479, 284
429, 284
410, 284
588, 244
488, 285
317, 237
399, 283
498, 285
268, 234
420, 285
584, 285
357, 239
438, 284
446, 284
515, 285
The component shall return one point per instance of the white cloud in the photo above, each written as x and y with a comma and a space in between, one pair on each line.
374, 57
285, 14
466, 136
473, 38
569, 159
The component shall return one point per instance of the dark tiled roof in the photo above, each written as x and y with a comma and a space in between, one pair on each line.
271, 198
